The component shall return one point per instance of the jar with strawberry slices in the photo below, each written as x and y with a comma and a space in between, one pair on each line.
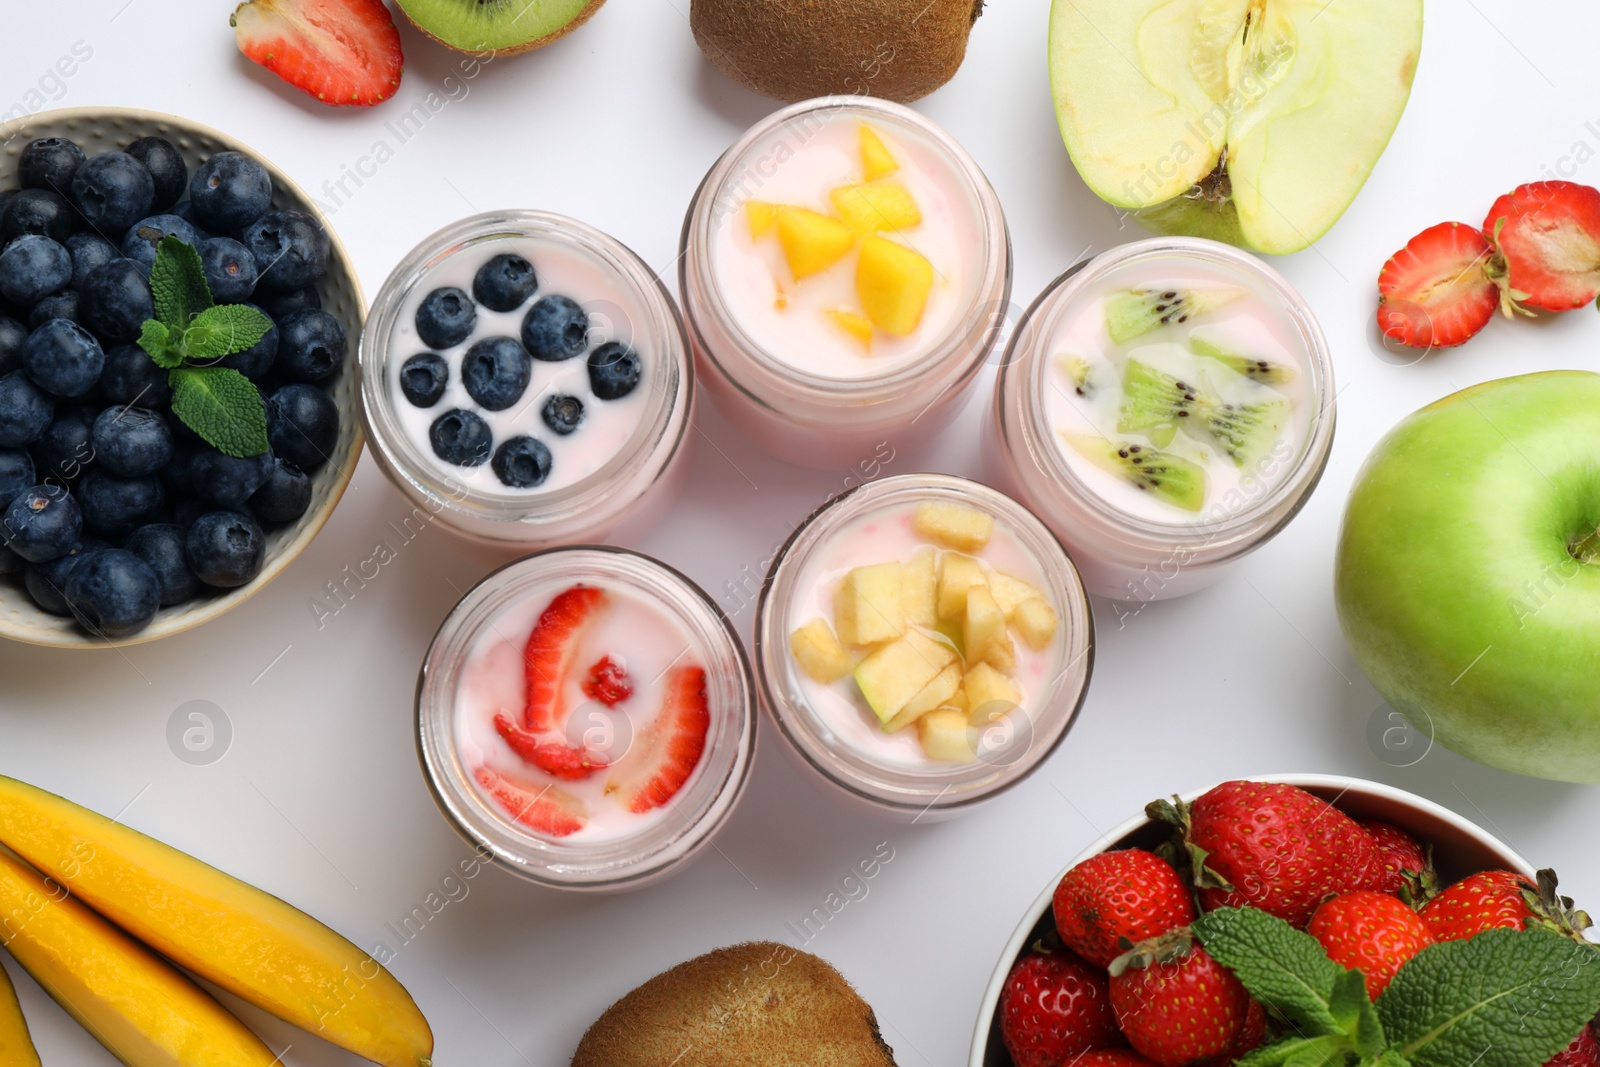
585, 717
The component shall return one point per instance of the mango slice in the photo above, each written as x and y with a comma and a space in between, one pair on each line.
812, 241
876, 159
869, 207
892, 281
857, 326
761, 216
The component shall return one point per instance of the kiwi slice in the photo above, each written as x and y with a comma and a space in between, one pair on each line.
1135, 312
1245, 430
1172, 478
1265, 371
1080, 373
1156, 403
498, 27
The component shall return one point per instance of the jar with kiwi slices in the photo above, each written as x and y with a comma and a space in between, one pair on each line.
1166, 407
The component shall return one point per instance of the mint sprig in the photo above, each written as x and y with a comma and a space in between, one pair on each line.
186, 338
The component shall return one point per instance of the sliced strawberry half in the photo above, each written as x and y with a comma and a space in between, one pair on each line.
560, 761
608, 682
544, 809
343, 52
1546, 237
1436, 291
653, 772
551, 649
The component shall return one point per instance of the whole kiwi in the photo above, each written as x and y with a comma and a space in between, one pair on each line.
797, 49
755, 1003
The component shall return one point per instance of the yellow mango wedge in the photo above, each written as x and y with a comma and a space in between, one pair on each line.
761, 217
857, 326
876, 159
16, 1045
893, 283
812, 241
137, 1005
246, 941
868, 207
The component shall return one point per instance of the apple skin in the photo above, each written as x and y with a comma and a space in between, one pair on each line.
1456, 585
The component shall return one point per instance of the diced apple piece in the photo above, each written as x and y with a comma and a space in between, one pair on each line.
819, 653
844, 616
857, 326
955, 525
876, 159
957, 574
944, 736
873, 207
892, 281
890, 677
1011, 592
873, 603
990, 694
919, 590
984, 627
1036, 621
761, 216
945, 685
812, 241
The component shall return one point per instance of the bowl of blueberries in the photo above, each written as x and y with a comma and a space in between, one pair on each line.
178, 391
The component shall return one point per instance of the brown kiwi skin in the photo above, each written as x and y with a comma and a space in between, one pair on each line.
755, 1003
798, 49
517, 49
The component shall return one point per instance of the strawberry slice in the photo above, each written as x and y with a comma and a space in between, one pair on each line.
343, 52
550, 652
557, 760
544, 809
1547, 239
656, 768
608, 682
1436, 291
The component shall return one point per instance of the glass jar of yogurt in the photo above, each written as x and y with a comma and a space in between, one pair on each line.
526, 380
845, 270
586, 716
922, 643
1166, 408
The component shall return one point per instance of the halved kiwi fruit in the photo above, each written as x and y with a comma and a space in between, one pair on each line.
497, 27
1172, 478
1265, 371
1135, 312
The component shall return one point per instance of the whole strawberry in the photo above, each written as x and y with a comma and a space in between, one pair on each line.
1546, 238
1483, 901
1176, 1004
1373, 933
1398, 852
1272, 846
1583, 1052
1055, 1006
1127, 894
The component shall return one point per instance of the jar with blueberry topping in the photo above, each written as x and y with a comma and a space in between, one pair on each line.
526, 380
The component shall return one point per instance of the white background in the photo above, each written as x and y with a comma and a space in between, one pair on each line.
319, 799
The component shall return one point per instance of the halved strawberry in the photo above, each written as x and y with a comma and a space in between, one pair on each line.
550, 651
547, 809
656, 768
1436, 291
551, 757
608, 682
339, 51
1547, 239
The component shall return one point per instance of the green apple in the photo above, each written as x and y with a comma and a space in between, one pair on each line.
1249, 121
1468, 574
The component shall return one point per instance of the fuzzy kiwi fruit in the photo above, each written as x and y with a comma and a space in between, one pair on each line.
497, 27
1135, 312
1173, 478
797, 49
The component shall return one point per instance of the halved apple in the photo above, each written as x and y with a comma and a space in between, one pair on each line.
1249, 121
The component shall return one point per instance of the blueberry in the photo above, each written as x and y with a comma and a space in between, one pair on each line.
63, 358
47, 582
225, 549
230, 269
143, 237
41, 523
187, 510
132, 377
184, 209
284, 496
445, 318
16, 474
562, 413
24, 411
423, 378
66, 448
131, 442
31, 268
63, 305
279, 304
113, 593
12, 334
522, 462
255, 361
88, 251
496, 372
504, 283
49, 163
228, 481
229, 191
303, 425
555, 329
115, 507
291, 249
10, 562
41, 211
614, 370
166, 166
311, 346
161, 546
112, 191
461, 437
116, 300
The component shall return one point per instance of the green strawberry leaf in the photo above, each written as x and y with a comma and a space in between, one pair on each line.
158, 341
229, 328
1505, 998
1284, 968
178, 284
223, 407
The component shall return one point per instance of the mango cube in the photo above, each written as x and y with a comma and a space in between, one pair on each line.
983, 634
870, 207
957, 574
919, 589
876, 159
990, 694
1037, 622
812, 241
761, 216
955, 525
945, 684
892, 280
893, 675
872, 602
819, 653
857, 326
944, 736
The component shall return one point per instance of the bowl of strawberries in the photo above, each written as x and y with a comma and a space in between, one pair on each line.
1296, 921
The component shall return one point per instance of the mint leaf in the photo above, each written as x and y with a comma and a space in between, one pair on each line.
1299, 1052
1280, 966
155, 339
178, 284
1505, 998
223, 407
232, 327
